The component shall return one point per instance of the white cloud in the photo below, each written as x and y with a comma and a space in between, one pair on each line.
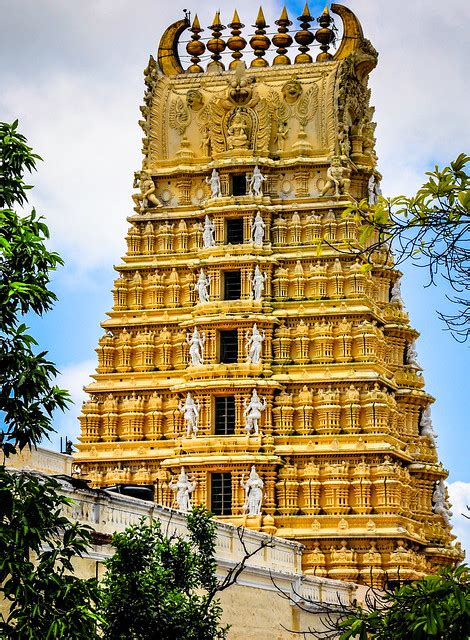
459, 494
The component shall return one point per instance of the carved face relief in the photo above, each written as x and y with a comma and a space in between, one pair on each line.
292, 91
194, 100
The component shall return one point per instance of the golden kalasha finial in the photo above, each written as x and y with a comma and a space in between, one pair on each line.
236, 43
260, 41
195, 48
304, 37
282, 40
216, 45
325, 36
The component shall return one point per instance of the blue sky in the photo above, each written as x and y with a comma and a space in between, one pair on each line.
72, 73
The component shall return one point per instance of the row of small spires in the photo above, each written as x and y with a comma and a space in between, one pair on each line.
260, 42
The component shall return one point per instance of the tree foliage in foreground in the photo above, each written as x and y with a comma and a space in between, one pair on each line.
44, 600
437, 607
160, 586
433, 229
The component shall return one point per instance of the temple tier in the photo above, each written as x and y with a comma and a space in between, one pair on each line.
250, 362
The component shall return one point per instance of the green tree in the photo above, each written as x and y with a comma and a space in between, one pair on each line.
437, 607
165, 587
44, 599
433, 229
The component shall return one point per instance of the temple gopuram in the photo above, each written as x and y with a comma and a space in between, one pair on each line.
252, 361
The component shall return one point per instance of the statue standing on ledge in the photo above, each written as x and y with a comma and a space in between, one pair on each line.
373, 190
257, 229
255, 184
196, 343
208, 233
412, 356
183, 489
440, 498
147, 192
214, 182
254, 344
202, 286
258, 280
336, 179
395, 293
253, 488
190, 410
252, 412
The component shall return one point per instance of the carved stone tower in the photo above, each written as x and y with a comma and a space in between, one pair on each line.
245, 333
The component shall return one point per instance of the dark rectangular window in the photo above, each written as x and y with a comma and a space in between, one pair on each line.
239, 184
235, 231
224, 421
232, 285
228, 346
221, 494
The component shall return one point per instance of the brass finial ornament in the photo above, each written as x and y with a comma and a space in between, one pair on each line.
325, 36
216, 45
304, 37
282, 40
236, 43
195, 48
260, 41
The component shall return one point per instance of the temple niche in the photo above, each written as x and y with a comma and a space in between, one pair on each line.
250, 362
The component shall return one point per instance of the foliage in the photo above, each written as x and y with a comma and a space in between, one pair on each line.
437, 607
432, 228
44, 599
37, 544
28, 396
163, 586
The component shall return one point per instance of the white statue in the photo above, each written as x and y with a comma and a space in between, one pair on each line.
252, 412
253, 488
425, 425
441, 501
253, 345
257, 280
202, 286
373, 190
395, 293
190, 411
412, 356
214, 182
257, 229
255, 184
183, 489
196, 343
208, 233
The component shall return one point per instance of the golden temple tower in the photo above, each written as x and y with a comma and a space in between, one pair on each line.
245, 333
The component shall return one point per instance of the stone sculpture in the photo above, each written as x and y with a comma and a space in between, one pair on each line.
183, 488
255, 184
257, 229
196, 343
202, 286
336, 179
252, 412
190, 410
253, 488
214, 182
208, 233
146, 194
254, 345
257, 280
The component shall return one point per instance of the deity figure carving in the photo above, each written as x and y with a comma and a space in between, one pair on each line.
292, 91
395, 293
255, 184
184, 489
425, 425
336, 178
252, 412
147, 192
194, 100
202, 286
257, 229
373, 190
253, 488
254, 345
214, 182
237, 132
190, 410
441, 501
343, 141
196, 343
412, 355
208, 233
257, 280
